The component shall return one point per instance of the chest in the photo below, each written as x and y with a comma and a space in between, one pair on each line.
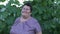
23, 27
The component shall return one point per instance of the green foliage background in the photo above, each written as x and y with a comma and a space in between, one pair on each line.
45, 11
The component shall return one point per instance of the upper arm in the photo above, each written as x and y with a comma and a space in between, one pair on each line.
16, 21
38, 28
12, 27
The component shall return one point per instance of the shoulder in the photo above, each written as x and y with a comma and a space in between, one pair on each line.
17, 18
34, 19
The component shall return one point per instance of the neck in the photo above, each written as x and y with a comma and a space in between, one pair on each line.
26, 17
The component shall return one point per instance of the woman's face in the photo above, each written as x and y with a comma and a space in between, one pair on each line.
26, 11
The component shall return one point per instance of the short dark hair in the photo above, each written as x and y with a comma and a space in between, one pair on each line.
28, 4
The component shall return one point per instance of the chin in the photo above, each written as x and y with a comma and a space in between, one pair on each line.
24, 15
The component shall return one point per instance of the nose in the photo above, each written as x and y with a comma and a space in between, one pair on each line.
24, 10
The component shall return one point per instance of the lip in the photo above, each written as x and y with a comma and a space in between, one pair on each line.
25, 12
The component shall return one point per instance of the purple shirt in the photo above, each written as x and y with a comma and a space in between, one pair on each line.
30, 26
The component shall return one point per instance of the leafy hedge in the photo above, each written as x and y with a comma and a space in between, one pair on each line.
45, 11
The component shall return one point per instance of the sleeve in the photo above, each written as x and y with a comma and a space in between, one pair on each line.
16, 21
37, 27
11, 30
12, 27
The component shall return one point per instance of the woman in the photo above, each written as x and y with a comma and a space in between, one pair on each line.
26, 24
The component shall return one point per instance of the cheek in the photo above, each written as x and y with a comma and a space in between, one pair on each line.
24, 13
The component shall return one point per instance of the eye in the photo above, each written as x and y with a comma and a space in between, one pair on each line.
23, 8
26, 9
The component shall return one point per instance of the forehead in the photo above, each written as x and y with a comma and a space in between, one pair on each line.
25, 6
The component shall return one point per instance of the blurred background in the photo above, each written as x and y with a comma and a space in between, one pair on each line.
47, 12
